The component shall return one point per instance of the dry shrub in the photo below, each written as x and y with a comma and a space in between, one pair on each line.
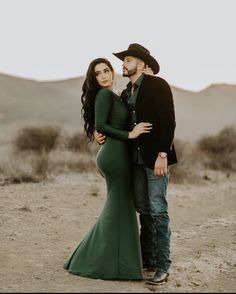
79, 142
40, 164
30, 167
24, 169
220, 150
67, 161
183, 170
37, 139
84, 164
94, 147
36, 157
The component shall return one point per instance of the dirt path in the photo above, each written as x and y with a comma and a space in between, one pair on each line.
41, 223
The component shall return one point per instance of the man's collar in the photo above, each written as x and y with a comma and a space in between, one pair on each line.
137, 82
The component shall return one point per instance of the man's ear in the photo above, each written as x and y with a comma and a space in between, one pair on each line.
141, 65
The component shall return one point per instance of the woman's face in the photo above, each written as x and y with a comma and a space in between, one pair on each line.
104, 75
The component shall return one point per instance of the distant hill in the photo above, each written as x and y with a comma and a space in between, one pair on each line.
26, 102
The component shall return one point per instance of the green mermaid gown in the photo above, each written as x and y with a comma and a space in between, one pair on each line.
111, 249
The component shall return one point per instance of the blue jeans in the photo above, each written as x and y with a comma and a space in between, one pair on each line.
151, 203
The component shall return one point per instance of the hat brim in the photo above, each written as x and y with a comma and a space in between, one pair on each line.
148, 59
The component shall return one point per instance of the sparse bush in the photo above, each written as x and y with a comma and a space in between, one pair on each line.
78, 142
17, 170
220, 150
40, 165
183, 170
67, 161
224, 142
37, 139
42, 153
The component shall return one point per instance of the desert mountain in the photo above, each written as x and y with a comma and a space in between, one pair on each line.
26, 102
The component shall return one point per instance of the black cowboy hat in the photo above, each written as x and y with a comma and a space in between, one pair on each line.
142, 53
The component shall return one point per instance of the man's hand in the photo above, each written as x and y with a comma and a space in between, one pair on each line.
160, 168
100, 138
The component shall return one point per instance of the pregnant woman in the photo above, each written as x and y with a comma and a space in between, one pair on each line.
111, 248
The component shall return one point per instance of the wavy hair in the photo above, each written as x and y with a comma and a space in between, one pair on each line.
90, 89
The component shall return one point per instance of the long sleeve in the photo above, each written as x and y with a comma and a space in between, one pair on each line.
103, 108
165, 107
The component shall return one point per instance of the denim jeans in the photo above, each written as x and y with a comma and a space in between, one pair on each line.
151, 203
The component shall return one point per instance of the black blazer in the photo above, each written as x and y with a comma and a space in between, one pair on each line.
155, 104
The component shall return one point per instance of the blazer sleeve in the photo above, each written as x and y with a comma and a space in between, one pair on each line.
103, 109
166, 112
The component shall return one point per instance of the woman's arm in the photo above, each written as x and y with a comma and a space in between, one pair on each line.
103, 107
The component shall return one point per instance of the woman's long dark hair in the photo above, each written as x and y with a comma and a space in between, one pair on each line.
90, 89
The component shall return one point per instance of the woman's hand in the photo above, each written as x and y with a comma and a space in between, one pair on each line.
99, 138
148, 71
143, 127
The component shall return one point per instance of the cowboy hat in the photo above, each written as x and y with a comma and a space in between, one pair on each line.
136, 50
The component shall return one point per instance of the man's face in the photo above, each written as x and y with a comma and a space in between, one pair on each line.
130, 66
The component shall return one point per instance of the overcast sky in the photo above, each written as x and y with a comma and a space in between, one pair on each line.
193, 40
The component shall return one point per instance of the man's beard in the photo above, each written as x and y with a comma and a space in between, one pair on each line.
130, 72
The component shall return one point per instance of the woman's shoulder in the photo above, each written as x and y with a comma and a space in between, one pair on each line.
107, 93
104, 92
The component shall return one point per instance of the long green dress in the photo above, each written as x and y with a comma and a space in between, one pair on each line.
111, 249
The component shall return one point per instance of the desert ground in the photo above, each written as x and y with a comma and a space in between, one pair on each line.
41, 223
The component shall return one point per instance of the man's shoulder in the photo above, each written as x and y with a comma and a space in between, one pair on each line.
156, 80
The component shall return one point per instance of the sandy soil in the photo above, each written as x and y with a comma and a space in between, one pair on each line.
40, 224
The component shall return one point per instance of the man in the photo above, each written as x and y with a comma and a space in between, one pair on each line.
150, 100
